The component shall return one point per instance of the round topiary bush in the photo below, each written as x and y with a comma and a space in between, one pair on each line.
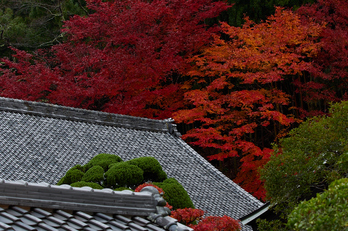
72, 175
175, 194
118, 174
94, 174
103, 160
89, 184
123, 175
151, 167
162, 176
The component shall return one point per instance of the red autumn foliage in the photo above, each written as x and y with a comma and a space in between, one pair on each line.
329, 81
129, 57
124, 58
188, 216
234, 96
211, 223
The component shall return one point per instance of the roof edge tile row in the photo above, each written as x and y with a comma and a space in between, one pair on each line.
84, 199
88, 116
86, 203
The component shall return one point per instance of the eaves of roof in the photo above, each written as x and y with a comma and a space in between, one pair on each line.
88, 116
255, 214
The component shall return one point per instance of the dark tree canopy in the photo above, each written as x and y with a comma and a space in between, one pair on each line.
29, 25
314, 155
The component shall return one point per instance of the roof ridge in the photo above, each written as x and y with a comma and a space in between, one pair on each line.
88, 116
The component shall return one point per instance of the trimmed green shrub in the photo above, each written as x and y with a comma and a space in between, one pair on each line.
110, 166
94, 174
175, 194
119, 175
72, 175
89, 184
171, 180
327, 211
162, 176
151, 167
103, 160
123, 175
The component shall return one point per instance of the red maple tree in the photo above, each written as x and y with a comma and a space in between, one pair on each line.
125, 58
234, 96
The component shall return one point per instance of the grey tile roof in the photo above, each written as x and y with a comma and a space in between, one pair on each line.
32, 206
40, 142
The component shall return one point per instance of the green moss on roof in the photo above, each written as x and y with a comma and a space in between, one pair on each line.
151, 167
124, 175
175, 194
103, 160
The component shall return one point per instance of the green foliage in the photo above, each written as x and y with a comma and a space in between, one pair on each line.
305, 163
151, 167
123, 175
162, 175
109, 170
35, 24
12, 28
10, 25
103, 160
73, 175
171, 181
89, 184
327, 211
94, 174
175, 194
264, 225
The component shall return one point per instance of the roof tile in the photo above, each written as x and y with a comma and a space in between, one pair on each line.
40, 142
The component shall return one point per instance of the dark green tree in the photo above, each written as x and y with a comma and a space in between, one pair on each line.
32, 24
303, 164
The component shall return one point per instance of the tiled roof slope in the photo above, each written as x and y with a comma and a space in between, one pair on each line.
32, 206
40, 142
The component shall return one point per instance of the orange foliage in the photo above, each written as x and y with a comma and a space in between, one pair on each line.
235, 99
